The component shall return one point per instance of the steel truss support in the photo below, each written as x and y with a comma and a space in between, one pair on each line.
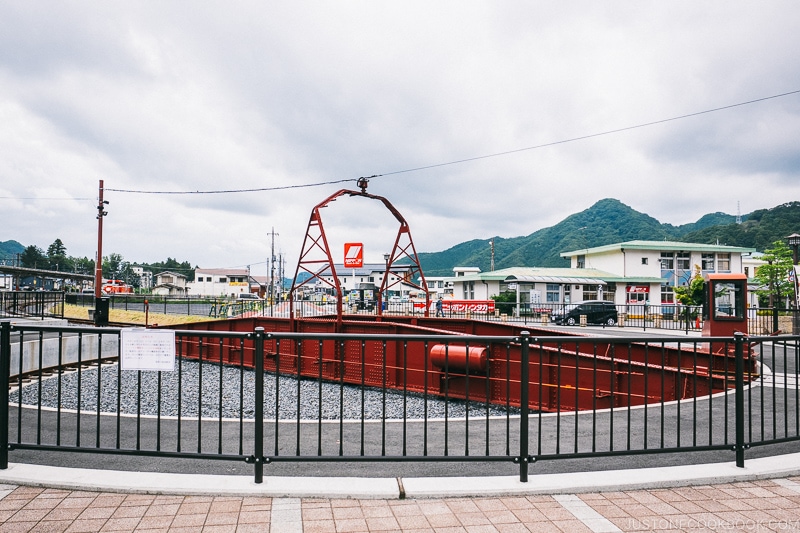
316, 258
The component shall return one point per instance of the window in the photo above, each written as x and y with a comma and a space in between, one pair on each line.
707, 262
684, 260
590, 292
440, 284
199, 278
747, 271
553, 294
581, 261
667, 262
724, 262
667, 295
644, 260
223, 280
728, 300
469, 290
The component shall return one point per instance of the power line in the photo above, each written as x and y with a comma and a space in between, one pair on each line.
477, 158
448, 163
260, 189
43, 198
590, 136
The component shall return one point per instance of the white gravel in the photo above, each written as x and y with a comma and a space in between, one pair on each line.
199, 392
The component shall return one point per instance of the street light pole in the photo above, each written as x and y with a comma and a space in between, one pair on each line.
794, 242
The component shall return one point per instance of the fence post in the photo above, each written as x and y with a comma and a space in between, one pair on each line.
738, 339
688, 317
5, 368
524, 407
259, 407
775, 319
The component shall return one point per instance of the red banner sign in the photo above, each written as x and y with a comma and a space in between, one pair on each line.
353, 255
460, 306
639, 288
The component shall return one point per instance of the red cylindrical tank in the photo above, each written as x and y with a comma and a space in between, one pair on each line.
457, 358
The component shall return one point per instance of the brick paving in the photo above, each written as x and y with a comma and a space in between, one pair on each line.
761, 505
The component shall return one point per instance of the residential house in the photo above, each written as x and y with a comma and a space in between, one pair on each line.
170, 284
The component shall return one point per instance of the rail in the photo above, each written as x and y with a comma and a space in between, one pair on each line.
213, 406
32, 304
761, 320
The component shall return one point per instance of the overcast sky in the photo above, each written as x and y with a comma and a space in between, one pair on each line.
204, 96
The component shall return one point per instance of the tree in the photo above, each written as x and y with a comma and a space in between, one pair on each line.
83, 265
505, 301
57, 256
113, 266
773, 278
33, 257
692, 292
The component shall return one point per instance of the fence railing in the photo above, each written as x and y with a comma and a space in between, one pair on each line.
232, 397
761, 320
31, 304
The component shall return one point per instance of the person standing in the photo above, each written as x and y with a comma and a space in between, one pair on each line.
439, 311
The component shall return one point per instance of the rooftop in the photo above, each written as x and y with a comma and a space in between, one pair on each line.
664, 246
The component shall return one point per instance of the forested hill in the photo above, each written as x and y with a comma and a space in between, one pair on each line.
9, 250
758, 230
609, 221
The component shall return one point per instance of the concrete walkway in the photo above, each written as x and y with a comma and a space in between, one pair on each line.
763, 496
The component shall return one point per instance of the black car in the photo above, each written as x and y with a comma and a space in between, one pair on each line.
597, 312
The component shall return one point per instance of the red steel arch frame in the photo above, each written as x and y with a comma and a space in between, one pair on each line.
316, 258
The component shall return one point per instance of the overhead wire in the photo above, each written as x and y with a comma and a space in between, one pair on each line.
439, 165
475, 158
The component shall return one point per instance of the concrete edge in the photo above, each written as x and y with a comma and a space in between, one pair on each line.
391, 488
198, 484
605, 481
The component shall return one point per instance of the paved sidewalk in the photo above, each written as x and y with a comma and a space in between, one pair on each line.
762, 505
763, 496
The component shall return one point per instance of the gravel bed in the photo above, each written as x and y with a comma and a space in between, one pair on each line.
199, 392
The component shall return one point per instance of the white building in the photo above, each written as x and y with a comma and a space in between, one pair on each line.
369, 275
439, 287
631, 272
536, 286
145, 277
672, 263
222, 282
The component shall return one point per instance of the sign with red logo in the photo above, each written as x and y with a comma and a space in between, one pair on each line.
353, 255
638, 288
460, 306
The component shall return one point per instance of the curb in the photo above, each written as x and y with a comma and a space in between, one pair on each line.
398, 488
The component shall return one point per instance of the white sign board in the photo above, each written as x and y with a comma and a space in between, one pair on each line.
147, 349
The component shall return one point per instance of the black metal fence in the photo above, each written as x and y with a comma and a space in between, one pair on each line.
761, 321
216, 408
31, 304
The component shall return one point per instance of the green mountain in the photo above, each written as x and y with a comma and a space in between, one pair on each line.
9, 250
759, 230
609, 221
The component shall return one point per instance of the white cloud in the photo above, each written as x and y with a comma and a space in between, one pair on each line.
204, 96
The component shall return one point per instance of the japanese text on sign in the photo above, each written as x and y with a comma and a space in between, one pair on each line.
147, 349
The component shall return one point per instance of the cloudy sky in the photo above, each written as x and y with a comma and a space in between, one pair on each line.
207, 96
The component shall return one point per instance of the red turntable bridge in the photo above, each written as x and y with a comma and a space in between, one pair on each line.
480, 361
472, 359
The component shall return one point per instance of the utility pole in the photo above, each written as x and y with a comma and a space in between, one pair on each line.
271, 291
100, 304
